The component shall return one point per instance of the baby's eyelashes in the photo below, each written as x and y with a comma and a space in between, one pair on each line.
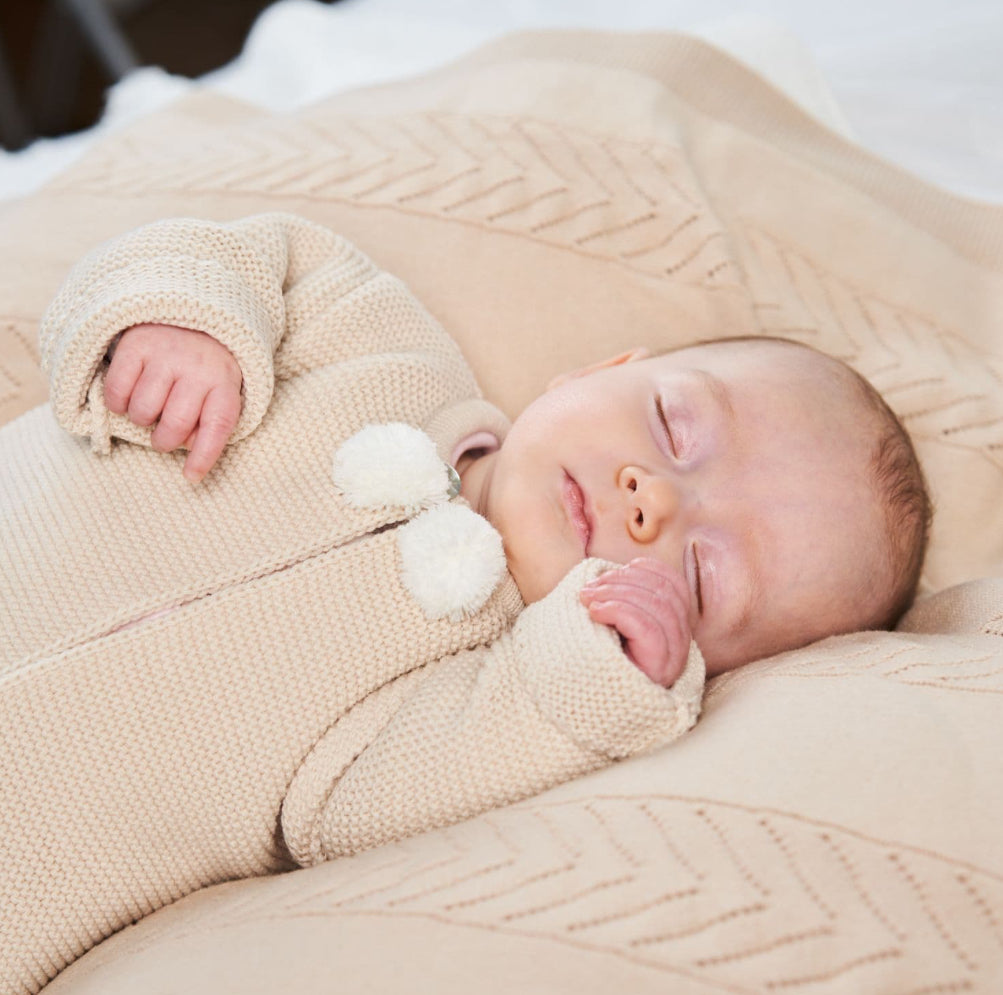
666, 426
697, 588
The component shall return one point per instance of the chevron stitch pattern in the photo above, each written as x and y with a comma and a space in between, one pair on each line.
746, 900
599, 196
892, 656
891, 345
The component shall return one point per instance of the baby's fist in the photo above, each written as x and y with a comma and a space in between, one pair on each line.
648, 604
181, 381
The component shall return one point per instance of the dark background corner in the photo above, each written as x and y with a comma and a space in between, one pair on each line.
57, 57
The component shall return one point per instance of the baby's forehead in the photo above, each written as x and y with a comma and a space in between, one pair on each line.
763, 364
753, 353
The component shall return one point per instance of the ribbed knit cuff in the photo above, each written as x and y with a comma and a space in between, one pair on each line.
581, 680
192, 274
450, 424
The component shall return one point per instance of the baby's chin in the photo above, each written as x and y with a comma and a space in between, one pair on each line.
530, 586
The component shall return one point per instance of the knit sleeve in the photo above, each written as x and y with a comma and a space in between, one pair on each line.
231, 281
553, 699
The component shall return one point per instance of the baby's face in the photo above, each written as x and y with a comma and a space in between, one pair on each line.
744, 466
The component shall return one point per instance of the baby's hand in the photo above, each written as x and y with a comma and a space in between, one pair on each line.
647, 602
185, 381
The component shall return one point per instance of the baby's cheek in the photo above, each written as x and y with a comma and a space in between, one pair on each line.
535, 581
537, 565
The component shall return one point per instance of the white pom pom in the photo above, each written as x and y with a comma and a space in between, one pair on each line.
390, 465
451, 560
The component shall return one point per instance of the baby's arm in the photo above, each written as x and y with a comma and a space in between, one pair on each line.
230, 281
185, 381
554, 698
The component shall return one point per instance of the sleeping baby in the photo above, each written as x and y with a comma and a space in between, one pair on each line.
362, 605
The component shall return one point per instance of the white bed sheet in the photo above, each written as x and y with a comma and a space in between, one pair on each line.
918, 82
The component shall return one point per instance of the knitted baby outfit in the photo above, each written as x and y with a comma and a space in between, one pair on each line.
181, 663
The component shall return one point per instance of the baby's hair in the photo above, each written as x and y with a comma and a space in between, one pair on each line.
905, 499
898, 481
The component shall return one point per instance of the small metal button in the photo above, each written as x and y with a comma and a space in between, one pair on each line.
455, 484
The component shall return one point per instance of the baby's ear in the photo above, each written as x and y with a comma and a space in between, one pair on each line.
639, 352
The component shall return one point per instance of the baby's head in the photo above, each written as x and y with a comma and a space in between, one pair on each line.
773, 477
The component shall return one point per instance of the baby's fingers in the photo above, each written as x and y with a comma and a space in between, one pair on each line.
644, 641
220, 412
120, 380
179, 417
149, 395
643, 582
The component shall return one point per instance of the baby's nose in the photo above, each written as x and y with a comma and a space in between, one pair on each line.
651, 502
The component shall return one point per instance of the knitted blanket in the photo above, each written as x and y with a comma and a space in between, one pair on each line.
832, 823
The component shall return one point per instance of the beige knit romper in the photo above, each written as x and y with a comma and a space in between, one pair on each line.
179, 663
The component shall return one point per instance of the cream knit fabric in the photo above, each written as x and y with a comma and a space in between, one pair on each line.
140, 762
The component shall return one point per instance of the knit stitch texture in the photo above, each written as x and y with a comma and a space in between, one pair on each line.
177, 692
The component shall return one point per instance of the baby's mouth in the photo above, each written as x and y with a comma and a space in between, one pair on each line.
574, 505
